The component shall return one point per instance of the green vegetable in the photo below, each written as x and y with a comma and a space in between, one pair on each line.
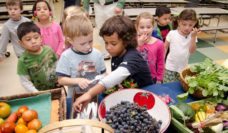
210, 78
177, 113
186, 109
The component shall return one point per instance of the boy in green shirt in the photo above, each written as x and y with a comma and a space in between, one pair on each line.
36, 66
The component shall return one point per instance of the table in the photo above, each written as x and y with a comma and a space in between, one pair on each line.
172, 89
202, 11
153, 3
134, 12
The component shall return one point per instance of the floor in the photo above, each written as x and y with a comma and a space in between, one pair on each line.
218, 51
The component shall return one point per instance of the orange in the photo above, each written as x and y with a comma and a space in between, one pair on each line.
31, 131
20, 128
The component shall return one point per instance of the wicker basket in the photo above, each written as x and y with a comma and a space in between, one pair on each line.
183, 74
77, 126
58, 95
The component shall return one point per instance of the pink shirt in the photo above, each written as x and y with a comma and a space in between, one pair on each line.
53, 36
154, 55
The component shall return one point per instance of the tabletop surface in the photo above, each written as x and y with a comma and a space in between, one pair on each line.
157, 1
171, 89
202, 10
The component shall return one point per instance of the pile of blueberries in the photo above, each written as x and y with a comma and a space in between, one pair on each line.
128, 117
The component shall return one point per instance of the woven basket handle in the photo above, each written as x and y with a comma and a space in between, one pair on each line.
76, 122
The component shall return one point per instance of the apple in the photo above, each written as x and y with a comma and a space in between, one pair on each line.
5, 110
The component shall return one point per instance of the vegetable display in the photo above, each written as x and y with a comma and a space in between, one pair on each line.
206, 116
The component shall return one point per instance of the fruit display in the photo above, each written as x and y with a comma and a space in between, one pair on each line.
5, 110
129, 117
134, 108
201, 116
22, 120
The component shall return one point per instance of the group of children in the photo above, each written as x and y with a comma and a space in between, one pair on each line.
138, 52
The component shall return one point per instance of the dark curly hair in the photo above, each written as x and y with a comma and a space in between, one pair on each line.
124, 27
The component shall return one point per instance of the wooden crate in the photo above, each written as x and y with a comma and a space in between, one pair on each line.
58, 97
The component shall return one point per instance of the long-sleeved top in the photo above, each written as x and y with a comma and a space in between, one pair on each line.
9, 33
154, 55
53, 37
120, 3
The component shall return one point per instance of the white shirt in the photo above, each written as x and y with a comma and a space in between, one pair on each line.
179, 53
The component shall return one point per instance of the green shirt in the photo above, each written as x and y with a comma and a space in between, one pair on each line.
120, 3
40, 68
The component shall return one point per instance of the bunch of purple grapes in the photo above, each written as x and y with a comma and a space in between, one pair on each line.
128, 117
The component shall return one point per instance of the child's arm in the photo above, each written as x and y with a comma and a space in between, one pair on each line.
119, 6
166, 46
4, 40
194, 33
61, 41
114, 78
160, 62
86, 5
81, 82
27, 84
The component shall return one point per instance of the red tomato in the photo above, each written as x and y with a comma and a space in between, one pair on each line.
102, 109
144, 99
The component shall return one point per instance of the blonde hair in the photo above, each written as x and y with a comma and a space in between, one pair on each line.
75, 26
144, 15
71, 11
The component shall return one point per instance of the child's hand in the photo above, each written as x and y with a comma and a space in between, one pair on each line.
81, 102
83, 83
118, 11
195, 31
143, 38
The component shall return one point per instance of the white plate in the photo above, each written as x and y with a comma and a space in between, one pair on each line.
159, 110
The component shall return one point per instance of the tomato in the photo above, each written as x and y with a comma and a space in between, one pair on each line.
7, 127
35, 124
29, 115
144, 99
102, 109
21, 110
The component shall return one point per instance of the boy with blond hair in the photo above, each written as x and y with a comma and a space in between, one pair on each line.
9, 30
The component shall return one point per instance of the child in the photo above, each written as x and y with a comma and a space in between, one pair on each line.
72, 11
164, 25
104, 9
119, 34
51, 31
36, 66
182, 42
151, 48
81, 63
9, 29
